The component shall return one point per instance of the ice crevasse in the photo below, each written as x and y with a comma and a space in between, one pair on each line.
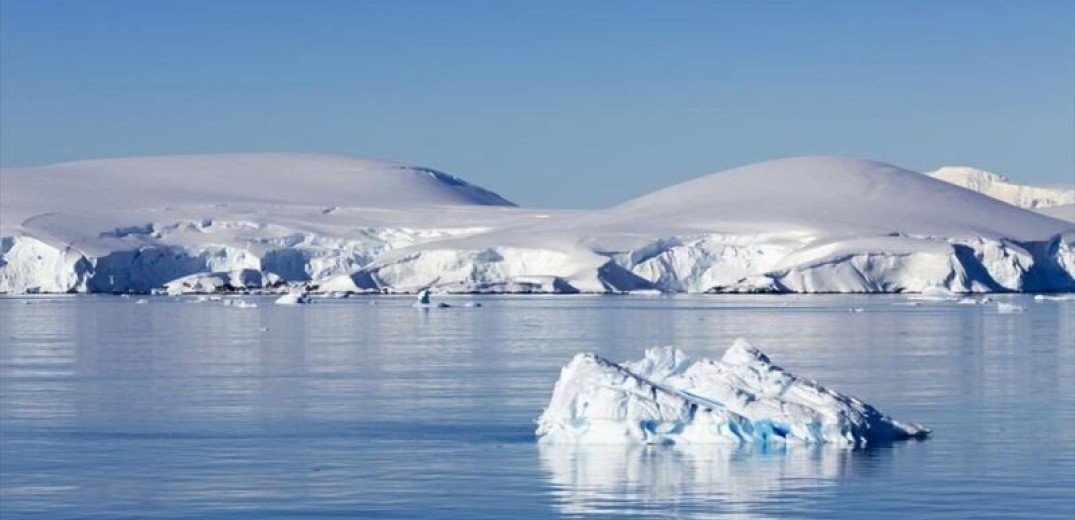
668, 398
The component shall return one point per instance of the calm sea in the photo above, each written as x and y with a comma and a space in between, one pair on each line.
367, 408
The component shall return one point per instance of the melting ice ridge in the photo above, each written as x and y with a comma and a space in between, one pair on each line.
668, 398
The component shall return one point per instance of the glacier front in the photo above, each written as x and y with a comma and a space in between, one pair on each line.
668, 398
325, 224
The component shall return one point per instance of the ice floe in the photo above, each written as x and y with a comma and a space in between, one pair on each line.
668, 398
293, 298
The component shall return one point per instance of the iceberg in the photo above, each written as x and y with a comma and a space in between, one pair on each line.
668, 398
293, 298
422, 302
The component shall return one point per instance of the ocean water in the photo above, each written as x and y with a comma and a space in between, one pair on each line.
367, 408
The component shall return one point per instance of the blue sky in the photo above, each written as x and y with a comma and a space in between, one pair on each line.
569, 104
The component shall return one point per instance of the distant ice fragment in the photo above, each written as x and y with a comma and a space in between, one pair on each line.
293, 298
1009, 308
239, 303
141, 301
1054, 297
423, 301
934, 293
668, 398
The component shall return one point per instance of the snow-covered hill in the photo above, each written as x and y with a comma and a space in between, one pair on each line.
810, 224
998, 187
135, 224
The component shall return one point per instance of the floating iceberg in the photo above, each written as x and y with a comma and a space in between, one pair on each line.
423, 299
293, 298
422, 302
668, 398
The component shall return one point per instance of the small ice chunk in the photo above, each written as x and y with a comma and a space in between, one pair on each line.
1054, 297
668, 398
293, 298
1009, 308
934, 294
141, 301
239, 303
423, 300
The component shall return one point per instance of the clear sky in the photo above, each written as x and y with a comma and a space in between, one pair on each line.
550, 103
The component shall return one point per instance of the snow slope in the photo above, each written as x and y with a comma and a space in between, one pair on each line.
136, 224
998, 187
331, 223
668, 398
807, 224
1062, 212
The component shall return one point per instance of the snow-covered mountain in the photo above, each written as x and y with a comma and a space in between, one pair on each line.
135, 224
999, 187
809, 224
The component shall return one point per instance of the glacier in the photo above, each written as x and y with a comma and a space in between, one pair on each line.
1001, 188
336, 224
669, 398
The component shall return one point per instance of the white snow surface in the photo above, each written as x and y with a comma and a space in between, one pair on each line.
668, 398
340, 224
1062, 212
999, 187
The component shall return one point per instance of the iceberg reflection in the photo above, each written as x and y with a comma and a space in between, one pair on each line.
699, 481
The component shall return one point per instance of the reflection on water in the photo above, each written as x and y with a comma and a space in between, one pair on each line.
714, 479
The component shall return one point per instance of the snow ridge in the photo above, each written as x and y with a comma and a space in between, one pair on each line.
1000, 188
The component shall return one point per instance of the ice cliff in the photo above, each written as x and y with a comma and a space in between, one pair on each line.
322, 223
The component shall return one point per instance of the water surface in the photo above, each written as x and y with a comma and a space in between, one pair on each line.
368, 408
